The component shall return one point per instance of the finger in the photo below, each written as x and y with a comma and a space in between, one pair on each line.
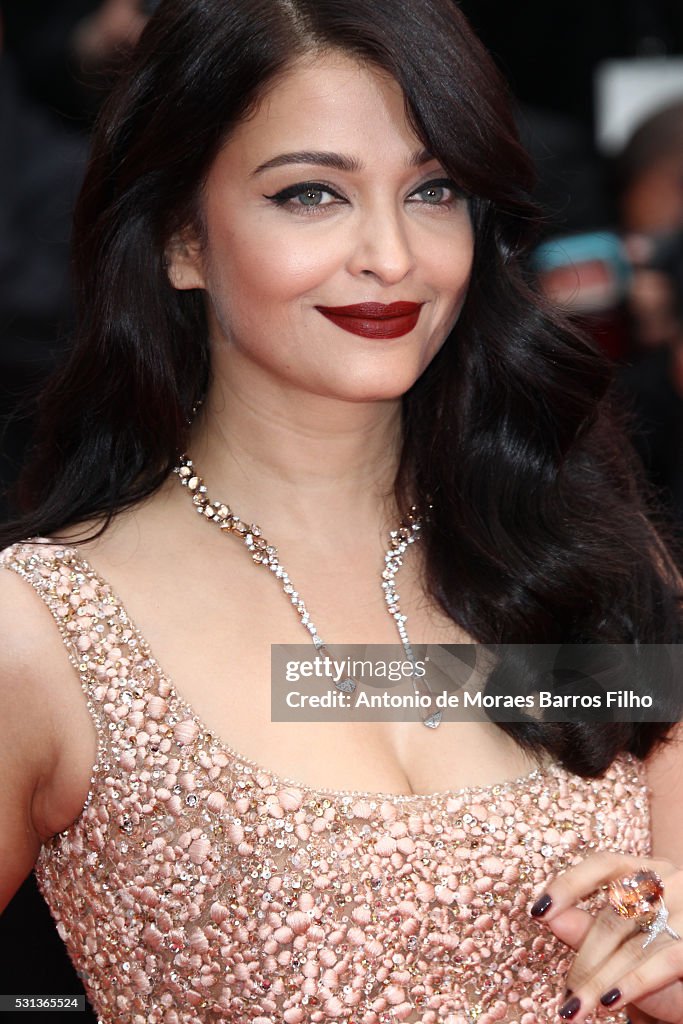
600, 944
571, 926
650, 982
584, 878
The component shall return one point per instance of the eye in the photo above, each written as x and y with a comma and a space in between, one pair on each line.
306, 196
439, 192
312, 196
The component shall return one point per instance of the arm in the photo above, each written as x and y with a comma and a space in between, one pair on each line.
610, 957
28, 739
665, 776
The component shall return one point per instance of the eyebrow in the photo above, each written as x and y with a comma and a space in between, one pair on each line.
338, 161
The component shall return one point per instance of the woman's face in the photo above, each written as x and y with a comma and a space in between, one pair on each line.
323, 200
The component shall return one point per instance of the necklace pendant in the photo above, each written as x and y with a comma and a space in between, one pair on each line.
346, 685
433, 721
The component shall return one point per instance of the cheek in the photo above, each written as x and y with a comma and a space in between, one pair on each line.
253, 262
451, 272
449, 252
450, 269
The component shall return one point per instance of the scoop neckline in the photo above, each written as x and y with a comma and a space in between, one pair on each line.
539, 771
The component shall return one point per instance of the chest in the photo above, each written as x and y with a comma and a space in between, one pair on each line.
212, 629
205, 864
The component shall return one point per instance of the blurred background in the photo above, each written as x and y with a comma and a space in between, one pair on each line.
599, 88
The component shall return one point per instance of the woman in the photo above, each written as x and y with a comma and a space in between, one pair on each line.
300, 252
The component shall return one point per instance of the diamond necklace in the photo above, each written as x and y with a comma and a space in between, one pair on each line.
266, 555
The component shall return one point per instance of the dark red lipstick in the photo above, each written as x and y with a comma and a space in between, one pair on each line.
374, 319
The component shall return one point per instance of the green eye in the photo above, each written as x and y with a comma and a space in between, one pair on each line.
306, 195
433, 194
311, 197
438, 192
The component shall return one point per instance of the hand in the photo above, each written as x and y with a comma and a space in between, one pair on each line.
611, 967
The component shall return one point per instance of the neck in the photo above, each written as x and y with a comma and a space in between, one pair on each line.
313, 464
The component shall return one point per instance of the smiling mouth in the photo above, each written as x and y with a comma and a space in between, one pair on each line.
374, 319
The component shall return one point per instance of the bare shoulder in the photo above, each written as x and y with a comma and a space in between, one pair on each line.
46, 734
25, 632
665, 779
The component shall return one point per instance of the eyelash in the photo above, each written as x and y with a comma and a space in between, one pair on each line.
286, 195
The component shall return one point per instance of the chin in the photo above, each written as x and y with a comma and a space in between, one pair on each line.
372, 386
392, 383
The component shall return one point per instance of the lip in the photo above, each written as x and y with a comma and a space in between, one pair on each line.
375, 319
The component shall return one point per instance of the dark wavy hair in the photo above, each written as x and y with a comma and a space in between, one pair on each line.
539, 532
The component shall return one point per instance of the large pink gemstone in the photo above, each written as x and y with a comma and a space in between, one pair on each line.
637, 896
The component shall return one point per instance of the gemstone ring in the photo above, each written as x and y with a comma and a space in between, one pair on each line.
640, 898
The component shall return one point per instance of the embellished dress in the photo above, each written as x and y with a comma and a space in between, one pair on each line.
197, 887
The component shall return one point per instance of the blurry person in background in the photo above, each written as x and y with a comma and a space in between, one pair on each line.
625, 286
115, 26
68, 52
649, 180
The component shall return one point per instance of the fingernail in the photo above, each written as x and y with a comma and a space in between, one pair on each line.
541, 905
610, 997
570, 1009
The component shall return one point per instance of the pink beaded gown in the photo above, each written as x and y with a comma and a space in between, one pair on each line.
197, 886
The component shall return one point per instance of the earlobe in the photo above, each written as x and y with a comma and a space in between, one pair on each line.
183, 264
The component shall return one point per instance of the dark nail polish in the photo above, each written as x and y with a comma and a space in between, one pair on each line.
541, 905
570, 1009
610, 997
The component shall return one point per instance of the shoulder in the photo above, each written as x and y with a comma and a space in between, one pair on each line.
25, 622
28, 740
43, 713
27, 627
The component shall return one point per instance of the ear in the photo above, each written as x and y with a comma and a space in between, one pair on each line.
183, 262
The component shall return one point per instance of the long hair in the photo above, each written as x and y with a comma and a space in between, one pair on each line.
538, 531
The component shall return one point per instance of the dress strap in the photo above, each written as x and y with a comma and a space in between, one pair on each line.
112, 663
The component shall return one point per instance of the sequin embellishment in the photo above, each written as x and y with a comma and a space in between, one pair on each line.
197, 887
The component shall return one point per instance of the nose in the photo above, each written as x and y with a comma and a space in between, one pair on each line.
382, 245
